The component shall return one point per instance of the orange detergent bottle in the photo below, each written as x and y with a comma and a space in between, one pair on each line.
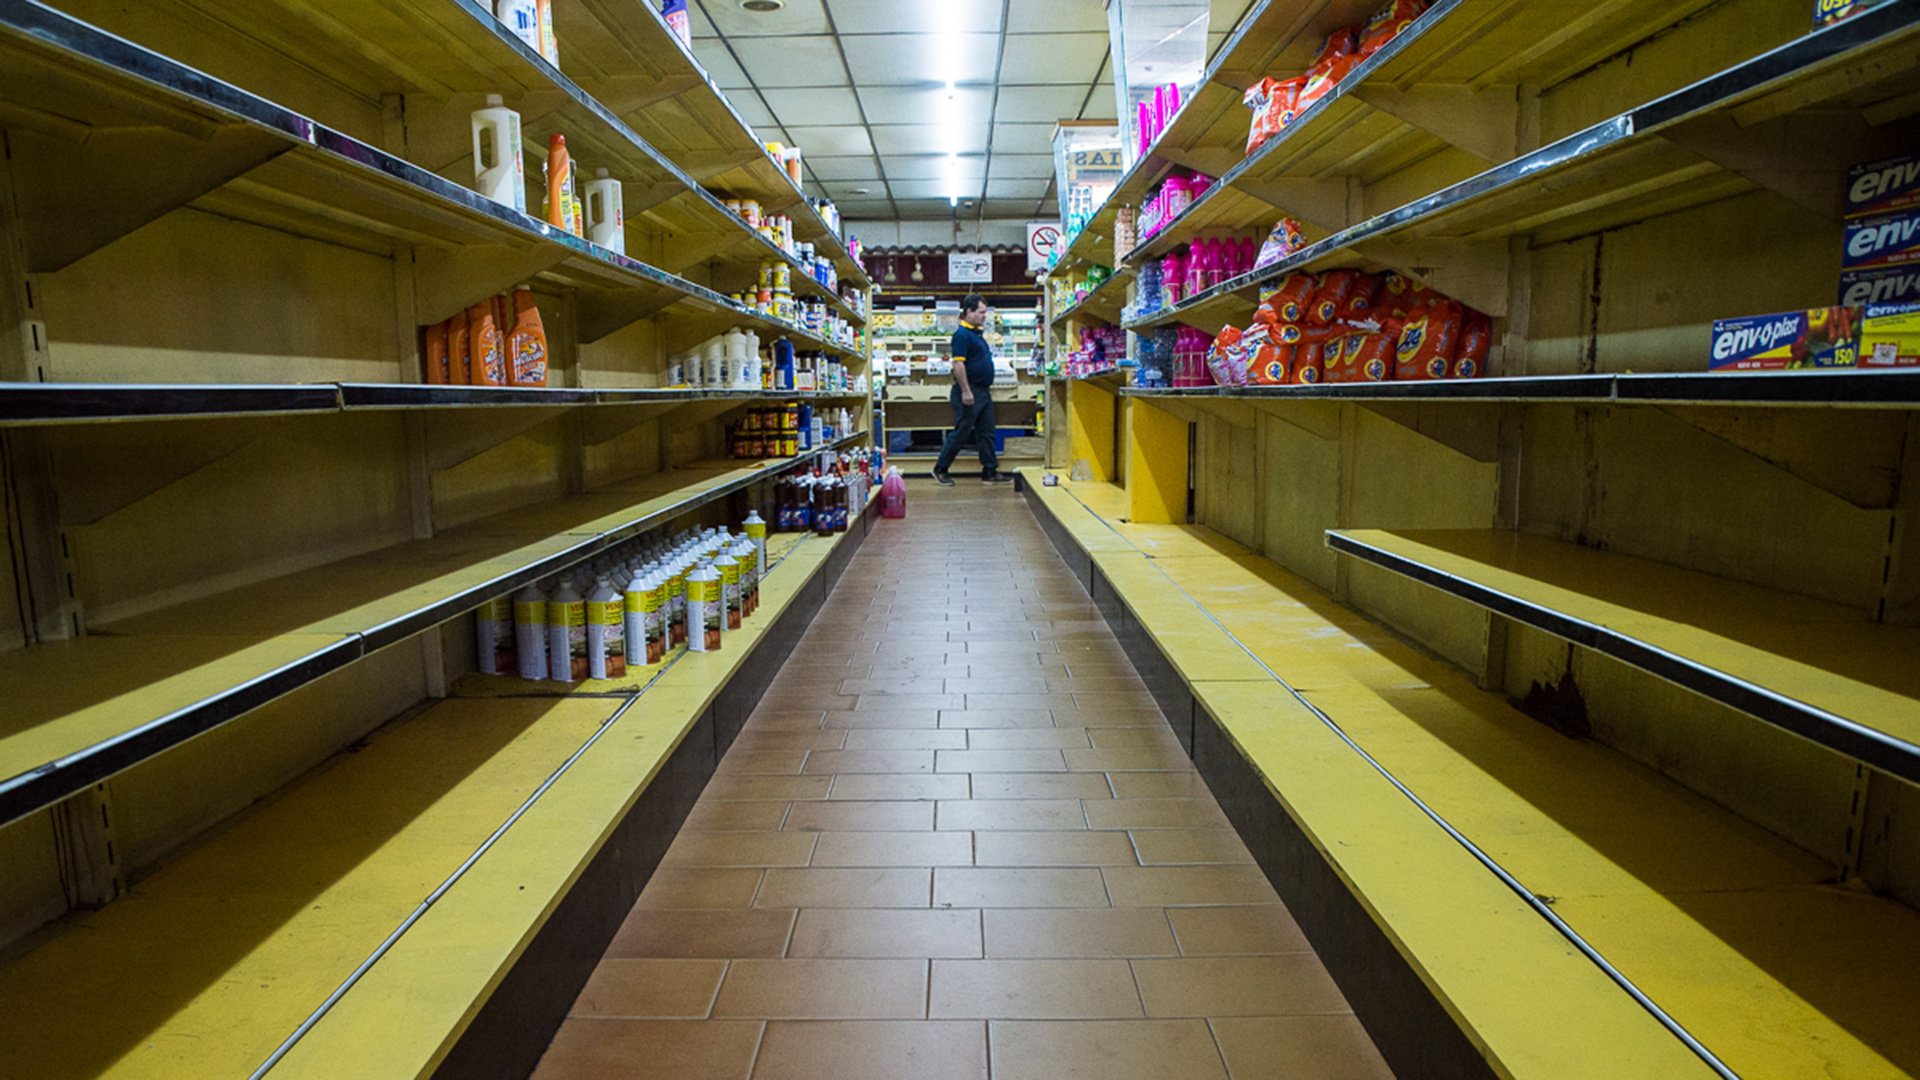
527, 349
459, 350
434, 354
489, 355
560, 193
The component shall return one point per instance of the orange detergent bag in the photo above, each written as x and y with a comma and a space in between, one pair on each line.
1375, 358
489, 349
1273, 366
1388, 23
1335, 287
1359, 302
433, 353
1429, 342
1476, 341
1270, 100
1396, 296
1290, 297
459, 350
1308, 363
527, 347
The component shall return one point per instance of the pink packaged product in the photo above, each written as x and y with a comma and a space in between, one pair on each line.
1173, 273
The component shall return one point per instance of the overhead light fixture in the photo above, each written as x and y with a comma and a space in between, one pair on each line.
953, 200
862, 191
763, 7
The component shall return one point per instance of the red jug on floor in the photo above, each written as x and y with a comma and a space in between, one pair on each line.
893, 495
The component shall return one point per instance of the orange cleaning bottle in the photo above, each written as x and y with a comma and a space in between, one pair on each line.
527, 348
459, 349
560, 196
489, 356
434, 354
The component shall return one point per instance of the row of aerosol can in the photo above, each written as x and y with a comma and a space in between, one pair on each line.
598, 621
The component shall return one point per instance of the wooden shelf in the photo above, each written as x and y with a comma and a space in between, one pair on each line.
1886, 389
1825, 672
1103, 303
1632, 166
88, 708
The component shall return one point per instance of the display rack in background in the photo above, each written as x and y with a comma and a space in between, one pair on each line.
915, 354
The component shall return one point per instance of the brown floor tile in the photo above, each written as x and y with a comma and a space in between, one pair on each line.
714, 849
1238, 986
1168, 847
997, 718
1178, 886
870, 761
722, 815
915, 702
766, 719
905, 739
895, 685
764, 762
650, 989
764, 739
1299, 1048
1057, 738
1106, 680
975, 814
1195, 813
1018, 888
1236, 931
1032, 989
877, 1049
895, 849
1040, 786
1073, 933
898, 786
1132, 717
998, 702
874, 933
996, 683
811, 989
1064, 847
847, 815
701, 889
643, 1049
805, 699
881, 888
782, 788
1180, 785
896, 719
999, 761
1125, 759
1106, 738
711, 933
1106, 1050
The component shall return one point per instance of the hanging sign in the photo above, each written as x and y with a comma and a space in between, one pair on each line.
970, 268
1043, 245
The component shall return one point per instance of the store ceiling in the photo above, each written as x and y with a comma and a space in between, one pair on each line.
900, 106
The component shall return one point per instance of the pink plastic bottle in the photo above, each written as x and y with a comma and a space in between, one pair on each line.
893, 495
1249, 251
1173, 277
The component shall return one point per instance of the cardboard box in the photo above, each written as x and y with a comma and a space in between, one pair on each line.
1816, 338
1880, 285
1882, 240
1883, 187
1890, 336
1828, 12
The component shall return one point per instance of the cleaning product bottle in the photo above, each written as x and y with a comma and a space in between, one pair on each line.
549, 45
893, 494
434, 354
498, 172
493, 636
489, 346
675, 13
606, 632
459, 350
713, 363
530, 632
527, 348
567, 634
745, 554
705, 610
522, 18
677, 602
606, 213
634, 613
756, 530
559, 175
653, 614
729, 570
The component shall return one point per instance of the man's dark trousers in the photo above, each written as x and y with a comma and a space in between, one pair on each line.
970, 423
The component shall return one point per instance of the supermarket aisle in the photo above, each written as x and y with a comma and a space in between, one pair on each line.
958, 840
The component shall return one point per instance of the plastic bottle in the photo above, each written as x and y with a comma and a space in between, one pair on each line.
677, 603
522, 17
706, 610
893, 494
567, 634
527, 348
634, 615
606, 213
728, 568
675, 12
498, 172
756, 530
559, 176
434, 355
713, 363
744, 553
493, 636
530, 632
606, 632
459, 350
549, 45
488, 346
738, 368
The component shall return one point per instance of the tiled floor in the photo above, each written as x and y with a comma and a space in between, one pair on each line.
958, 840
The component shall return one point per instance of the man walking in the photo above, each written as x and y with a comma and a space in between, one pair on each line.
972, 395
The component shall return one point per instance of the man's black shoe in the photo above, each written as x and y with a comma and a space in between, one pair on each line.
995, 478
943, 479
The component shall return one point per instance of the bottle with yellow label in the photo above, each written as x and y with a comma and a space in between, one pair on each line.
567, 635
634, 609
606, 632
729, 570
706, 610
530, 632
494, 637
756, 530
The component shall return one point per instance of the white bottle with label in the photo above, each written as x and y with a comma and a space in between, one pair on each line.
530, 632
756, 529
566, 634
498, 171
493, 635
606, 632
639, 585
706, 610
522, 17
606, 215
713, 363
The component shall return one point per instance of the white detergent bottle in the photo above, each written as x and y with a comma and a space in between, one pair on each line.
738, 369
606, 214
756, 530
606, 632
498, 171
636, 596
522, 18
530, 632
567, 634
713, 363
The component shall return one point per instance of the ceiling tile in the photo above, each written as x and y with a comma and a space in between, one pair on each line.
702, 26
843, 168
904, 139
921, 210
1017, 189
791, 61
1052, 59
852, 190
1020, 167
813, 106
1102, 105
798, 17
933, 167
719, 64
871, 209
1226, 15
925, 104
831, 141
752, 110
1023, 138
917, 16
934, 189
921, 59
1057, 15
1029, 103
1012, 208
